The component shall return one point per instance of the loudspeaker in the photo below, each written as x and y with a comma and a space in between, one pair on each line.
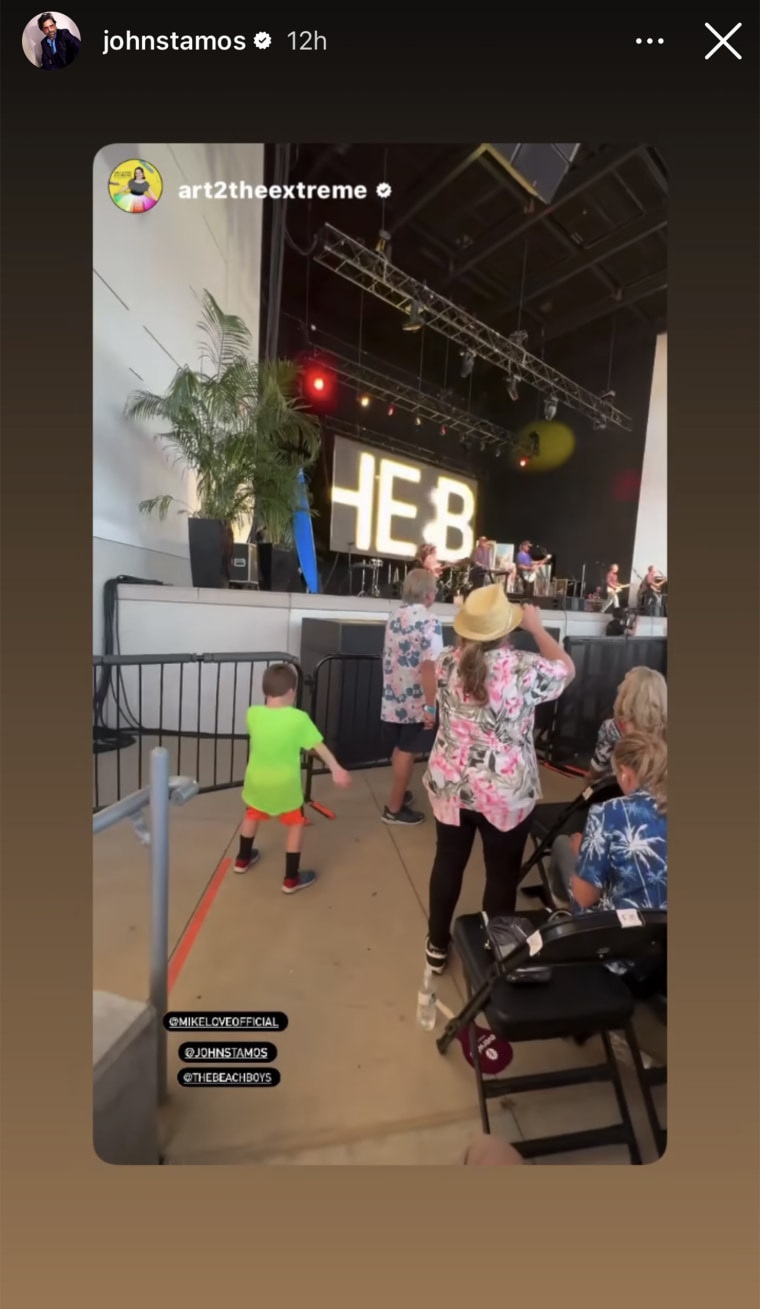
278, 568
540, 169
244, 565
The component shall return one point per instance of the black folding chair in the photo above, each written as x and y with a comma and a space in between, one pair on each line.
552, 820
583, 998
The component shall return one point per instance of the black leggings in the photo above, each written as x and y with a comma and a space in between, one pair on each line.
503, 854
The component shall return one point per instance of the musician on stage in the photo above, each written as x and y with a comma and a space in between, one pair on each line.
526, 568
427, 557
482, 562
651, 587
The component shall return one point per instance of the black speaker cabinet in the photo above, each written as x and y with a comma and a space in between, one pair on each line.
541, 169
244, 565
278, 569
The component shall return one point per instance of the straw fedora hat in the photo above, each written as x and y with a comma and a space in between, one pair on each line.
487, 615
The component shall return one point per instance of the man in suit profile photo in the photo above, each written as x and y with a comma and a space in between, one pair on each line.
59, 46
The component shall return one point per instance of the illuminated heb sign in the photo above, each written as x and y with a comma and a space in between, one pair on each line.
386, 505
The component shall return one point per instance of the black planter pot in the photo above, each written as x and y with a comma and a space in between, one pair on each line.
278, 568
211, 543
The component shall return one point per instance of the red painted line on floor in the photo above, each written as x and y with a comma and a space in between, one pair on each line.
190, 935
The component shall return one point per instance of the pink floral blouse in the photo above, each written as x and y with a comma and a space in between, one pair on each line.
484, 758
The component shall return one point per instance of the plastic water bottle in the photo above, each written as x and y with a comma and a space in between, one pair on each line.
427, 1009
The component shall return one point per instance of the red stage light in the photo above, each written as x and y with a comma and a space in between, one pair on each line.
523, 463
318, 385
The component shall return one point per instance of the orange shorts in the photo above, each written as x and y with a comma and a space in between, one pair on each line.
295, 818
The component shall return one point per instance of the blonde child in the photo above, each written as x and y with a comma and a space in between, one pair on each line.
641, 706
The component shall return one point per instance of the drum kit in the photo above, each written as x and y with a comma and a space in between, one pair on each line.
369, 571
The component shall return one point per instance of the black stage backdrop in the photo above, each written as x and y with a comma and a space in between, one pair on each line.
585, 510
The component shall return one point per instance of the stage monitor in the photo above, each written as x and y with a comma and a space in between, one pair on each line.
388, 504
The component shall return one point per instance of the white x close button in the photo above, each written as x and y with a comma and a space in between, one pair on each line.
723, 41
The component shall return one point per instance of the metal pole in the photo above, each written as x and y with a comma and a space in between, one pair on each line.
159, 891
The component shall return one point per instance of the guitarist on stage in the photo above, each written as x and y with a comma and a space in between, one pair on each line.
651, 586
527, 567
614, 587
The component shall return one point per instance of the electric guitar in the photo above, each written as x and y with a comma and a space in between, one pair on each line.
529, 574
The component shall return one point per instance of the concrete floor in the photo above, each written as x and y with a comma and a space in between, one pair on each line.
361, 1084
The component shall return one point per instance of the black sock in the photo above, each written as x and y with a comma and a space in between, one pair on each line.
246, 846
292, 864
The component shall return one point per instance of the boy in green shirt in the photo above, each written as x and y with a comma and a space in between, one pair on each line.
273, 788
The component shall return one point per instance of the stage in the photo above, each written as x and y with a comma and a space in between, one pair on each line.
181, 620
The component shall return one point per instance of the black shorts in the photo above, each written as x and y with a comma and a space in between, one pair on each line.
410, 738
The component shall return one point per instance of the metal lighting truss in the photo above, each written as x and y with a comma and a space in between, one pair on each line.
425, 407
356, 432
373, 273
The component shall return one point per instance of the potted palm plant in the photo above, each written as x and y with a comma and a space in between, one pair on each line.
238, 426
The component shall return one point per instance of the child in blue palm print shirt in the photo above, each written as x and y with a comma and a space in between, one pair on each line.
621, 859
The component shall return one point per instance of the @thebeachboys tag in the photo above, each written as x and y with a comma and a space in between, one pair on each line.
135, 186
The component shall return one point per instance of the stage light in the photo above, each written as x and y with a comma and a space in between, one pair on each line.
383, 245
365, 401
318, 385
523, 463
391, 411
550, 408
512, 390
468, 363
414, 321
418, 421
443, 431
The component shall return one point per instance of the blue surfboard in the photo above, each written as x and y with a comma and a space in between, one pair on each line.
303, 536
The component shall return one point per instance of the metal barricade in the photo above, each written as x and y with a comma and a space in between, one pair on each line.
601, 663
163, 791
193, 705
346, 703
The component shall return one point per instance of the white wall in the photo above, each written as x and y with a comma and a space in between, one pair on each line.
150, 271
651, 544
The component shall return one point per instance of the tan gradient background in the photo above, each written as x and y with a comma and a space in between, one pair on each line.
80, 1233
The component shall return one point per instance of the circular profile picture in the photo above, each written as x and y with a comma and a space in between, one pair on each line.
135, 186
51, 41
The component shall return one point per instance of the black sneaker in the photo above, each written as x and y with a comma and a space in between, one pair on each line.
404, 818
436, 960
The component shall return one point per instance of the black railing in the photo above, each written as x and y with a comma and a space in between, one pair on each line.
346, 700
194, 706
601, 663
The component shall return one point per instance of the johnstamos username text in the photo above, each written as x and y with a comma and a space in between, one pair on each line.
173, 43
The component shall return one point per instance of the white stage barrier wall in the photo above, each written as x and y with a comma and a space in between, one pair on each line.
182, 621
150, 271
651, 543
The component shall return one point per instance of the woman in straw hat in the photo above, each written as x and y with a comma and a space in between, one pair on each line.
483, 773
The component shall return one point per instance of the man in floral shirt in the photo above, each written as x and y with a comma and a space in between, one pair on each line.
413, 642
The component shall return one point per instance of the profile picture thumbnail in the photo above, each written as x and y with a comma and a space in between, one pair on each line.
51, 41
135, 186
